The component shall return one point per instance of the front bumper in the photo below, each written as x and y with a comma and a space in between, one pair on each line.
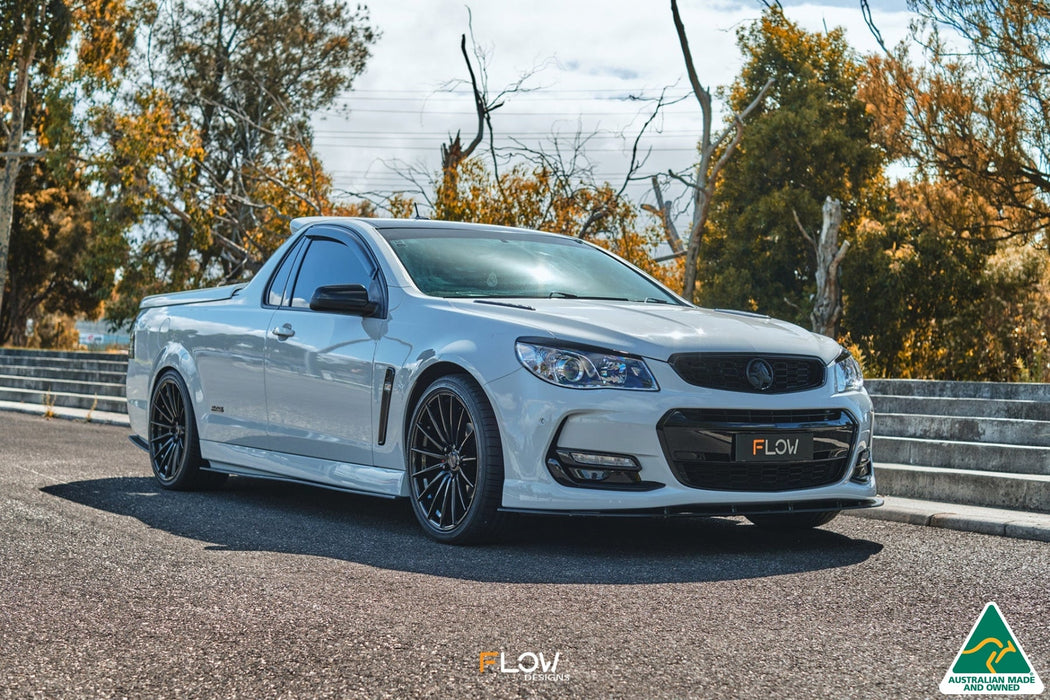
537, 418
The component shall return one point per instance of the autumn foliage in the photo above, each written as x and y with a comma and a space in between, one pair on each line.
177, 162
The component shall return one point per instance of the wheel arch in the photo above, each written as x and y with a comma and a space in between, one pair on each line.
177, 358
481, 519
426, 377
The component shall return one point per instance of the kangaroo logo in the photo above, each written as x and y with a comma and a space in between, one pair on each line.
997, 654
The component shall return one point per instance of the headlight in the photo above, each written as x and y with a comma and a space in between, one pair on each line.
579, 368
848, 375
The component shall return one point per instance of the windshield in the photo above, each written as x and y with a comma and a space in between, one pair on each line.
447, 263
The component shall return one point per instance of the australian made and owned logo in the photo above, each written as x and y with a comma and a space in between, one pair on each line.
991, 661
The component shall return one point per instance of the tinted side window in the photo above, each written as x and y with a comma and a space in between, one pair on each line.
330, 262
276, 293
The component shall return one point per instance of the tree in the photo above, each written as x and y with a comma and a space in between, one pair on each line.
550, 187
927, 299
446, 202
715, 151
213, 154
37, 38
827, 301
808, 141
955, 274
61, 262
975, 109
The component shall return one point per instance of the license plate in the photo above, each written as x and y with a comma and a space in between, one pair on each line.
773, 447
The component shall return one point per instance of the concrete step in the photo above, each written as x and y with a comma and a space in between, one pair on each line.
65, 354
114, 404
69, 375
989, 408
61, 385
1006, 431
991, 457
1029, 492
64, 363
959, 390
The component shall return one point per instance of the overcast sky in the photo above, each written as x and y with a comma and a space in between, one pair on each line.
588, 59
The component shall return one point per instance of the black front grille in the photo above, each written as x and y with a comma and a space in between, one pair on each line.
757, 418
742, 476
698, 444
728, 371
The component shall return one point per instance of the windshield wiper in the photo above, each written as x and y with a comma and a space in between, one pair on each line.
570, 295
654, 300
510, 304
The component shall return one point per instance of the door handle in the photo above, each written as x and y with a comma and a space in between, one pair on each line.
284, 331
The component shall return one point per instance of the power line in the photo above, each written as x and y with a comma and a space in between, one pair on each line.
469, 93
627, 97
419, 135
544, 113
387, 147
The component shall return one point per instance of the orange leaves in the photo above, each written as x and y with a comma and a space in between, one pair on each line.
933, 295
972, 107
290, 185
151, 139
539, 198
104, 34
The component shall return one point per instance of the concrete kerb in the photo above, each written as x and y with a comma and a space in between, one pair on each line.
81, 414
951, 516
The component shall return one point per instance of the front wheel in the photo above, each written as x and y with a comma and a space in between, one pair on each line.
455, 462
793, 521
174, 449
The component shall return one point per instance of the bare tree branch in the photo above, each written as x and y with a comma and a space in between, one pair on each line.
802, 229
865, 11
682, 179
24, 154
479, 101
827, 303
703, 95
702, 187
738, 120
667, 219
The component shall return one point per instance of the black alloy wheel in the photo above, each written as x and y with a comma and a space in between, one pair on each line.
455, 462
174, 448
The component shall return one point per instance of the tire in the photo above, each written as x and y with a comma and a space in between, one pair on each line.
793, 521
454, 461
174, 446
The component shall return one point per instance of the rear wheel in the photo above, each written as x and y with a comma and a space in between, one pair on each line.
455, 462
793, 521
174, 448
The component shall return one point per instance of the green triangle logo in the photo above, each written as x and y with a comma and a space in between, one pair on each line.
991, 661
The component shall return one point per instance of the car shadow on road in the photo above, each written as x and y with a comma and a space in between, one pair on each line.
257, 515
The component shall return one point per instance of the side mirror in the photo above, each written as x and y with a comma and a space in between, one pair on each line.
343, 298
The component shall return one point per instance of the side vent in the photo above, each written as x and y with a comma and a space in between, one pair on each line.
384, 405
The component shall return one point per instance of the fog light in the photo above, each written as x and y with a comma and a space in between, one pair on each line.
862, 472
595, 469
591, 474
603, 460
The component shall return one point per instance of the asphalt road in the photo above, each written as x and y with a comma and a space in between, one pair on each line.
110, 587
